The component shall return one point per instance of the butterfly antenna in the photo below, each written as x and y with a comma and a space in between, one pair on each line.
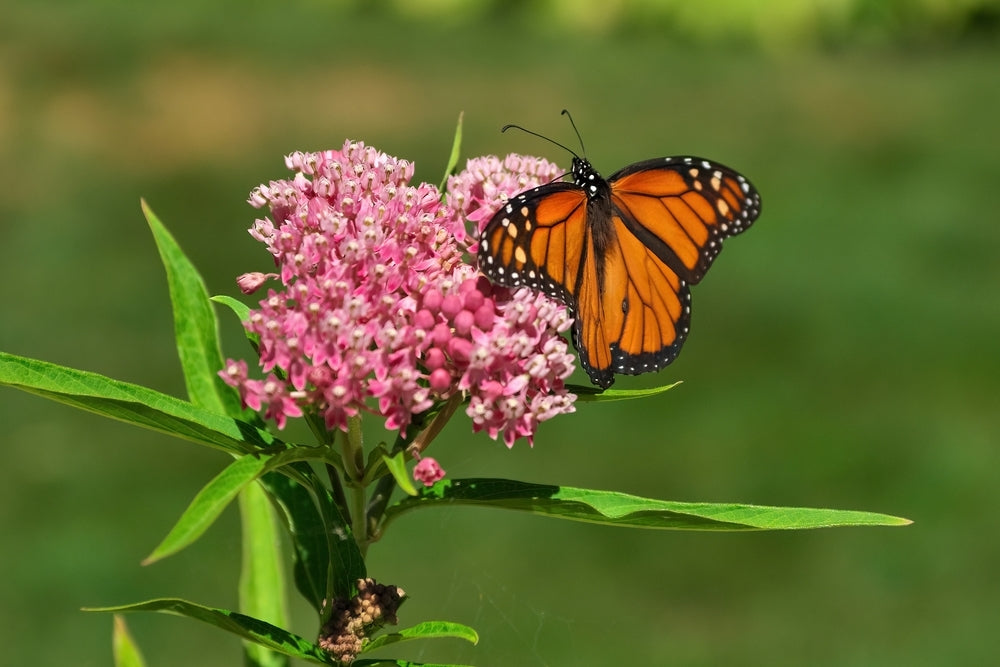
542, 136
583, 148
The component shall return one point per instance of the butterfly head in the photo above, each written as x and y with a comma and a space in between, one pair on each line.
585, 176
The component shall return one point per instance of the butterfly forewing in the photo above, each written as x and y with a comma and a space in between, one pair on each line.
537, 241
683, 207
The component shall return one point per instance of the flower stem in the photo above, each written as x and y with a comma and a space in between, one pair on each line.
354, 450
354, 471
384, 486
328, 438
337, 488
359, 518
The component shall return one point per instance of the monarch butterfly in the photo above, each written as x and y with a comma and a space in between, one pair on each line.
620, 253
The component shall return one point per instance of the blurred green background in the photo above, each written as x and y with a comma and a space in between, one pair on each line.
843, 352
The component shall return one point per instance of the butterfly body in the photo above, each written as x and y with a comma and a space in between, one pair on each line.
621, 253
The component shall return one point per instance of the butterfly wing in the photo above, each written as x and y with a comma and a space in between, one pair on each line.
623, 258
543, 239
633, 314
631, 310
539, 240
682, 208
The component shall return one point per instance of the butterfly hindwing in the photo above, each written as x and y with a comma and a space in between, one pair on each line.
638, 322
656, 307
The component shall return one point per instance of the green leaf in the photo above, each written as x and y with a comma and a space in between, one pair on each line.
588, 394
281, 641
397, 467
247, 627
240, 309
456, 151
398, 662
306, 526
242, 312
262, 573
132, 404
347, 563
327, 559
620, 509
427, 630
195, 326
126, 651
217, 494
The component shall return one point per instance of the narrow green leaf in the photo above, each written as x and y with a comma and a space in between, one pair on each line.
262, 573
427, 630
587, 394
306, 526
242, 312
195, 326
247, 627
126, 652
132, 404
398, 662
397, 467
456, 152
328, 561
620, 509
240, 309
346, 564
218, 493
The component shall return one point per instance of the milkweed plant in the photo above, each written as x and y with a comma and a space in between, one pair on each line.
375, 310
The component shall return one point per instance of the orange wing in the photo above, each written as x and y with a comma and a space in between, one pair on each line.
621, 253
539, 240
631, 310
682, 208
638, 322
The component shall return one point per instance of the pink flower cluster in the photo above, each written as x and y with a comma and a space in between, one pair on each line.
379, 311
488, 182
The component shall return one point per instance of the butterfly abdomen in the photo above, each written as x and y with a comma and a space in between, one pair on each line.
599, 226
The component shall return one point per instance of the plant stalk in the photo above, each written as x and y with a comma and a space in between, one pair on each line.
354, 470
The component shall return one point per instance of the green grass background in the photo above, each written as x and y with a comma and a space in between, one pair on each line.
843, 351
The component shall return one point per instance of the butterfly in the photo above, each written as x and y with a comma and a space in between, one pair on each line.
621, 253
